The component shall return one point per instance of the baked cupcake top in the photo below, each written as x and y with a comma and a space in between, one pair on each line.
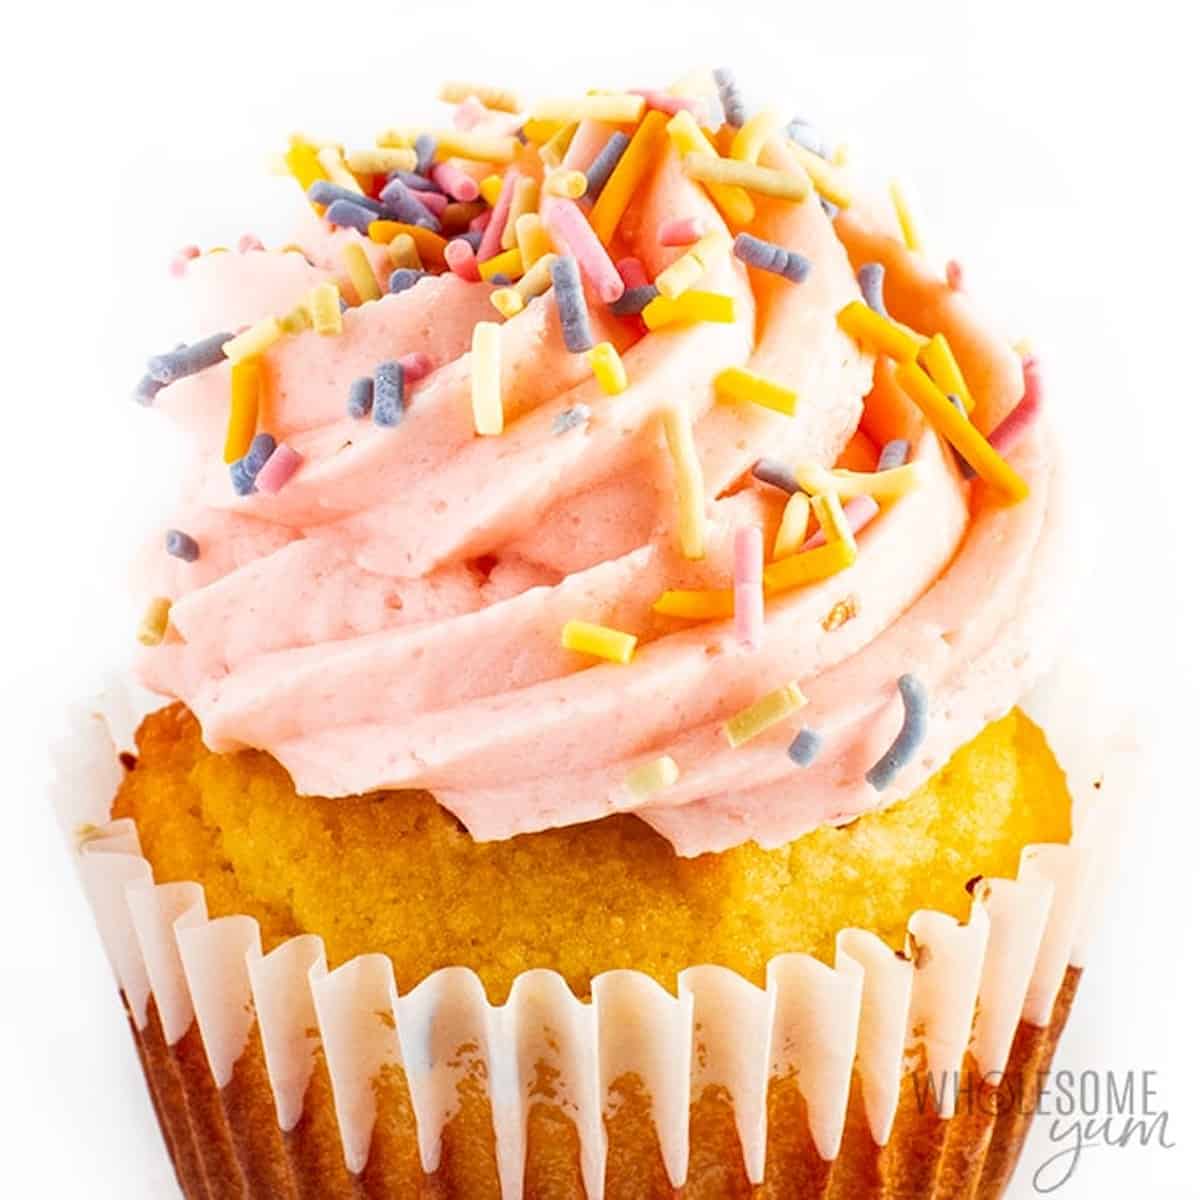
626, 455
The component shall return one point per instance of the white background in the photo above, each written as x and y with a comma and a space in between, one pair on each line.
1051, 146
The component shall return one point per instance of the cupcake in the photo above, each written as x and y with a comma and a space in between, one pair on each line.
594, 642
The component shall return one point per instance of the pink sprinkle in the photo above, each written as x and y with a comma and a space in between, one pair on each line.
454, 181
490, 246
479, 222
460, 258
680, 231
280, 467
467, 115
671, 104
632, 273
954, 275
748, 586
248, 242
571, 231
434, 201
180, 261
415, 366
1013, 428
859, 510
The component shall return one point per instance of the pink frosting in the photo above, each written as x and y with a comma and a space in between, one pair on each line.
392, 617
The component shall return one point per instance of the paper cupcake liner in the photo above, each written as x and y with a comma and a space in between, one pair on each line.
273, 1076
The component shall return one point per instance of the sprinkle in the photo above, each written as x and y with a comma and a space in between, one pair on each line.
330, 157
824, 178
279, 468
459, 216
775, 473
490, 189
402, 251
793, 527
749, 140
301, 160
912, 733
147, 389
688, 140
621, 108
805, 747
605, 163
954, 275
894, 454
188, 360
573, 235
687, 270
381, 160
473, 238
737, 383
402, 278
959, 431
325, 310
689, 308
747, 586
430, 245
608, 368
532, 239
435, 202
768, 256
652, 777
570, 418
535, 281
500, 99
710, 605
361, 398
633, 300
831, 517
599, 640
904, 217
805, 133
632, 273
248, 243
362, 274
389, 394
416, 365
880, 335
572, 307
154, 623
524, 201
1013, 428
460, 258
830, 210
413, 180
498, 220
767, 181
504, 265
664, 102
486, 403
689, 481
254, 341
772, 708
245, 383
616, 194
425, 145
402, 205
563, 181
881, 485
870, 283
182, 545
347, 214
732, 104
808, 566
296, 321
245, 471
555, 149
938, 360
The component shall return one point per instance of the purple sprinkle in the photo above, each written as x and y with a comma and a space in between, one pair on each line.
605, 163
732, 103
403, 206
349, 214
324, 192
402, 278
769, 256
414, 181
771, 471
187, 360
894, 454
181, 545
473, 238
361, 398
572, 307
148, 387
425, 147
831, 210
245, 471
910, 737
633, 300
870, 282
805, 134
501, 280
805, 747
569, 418
389, 393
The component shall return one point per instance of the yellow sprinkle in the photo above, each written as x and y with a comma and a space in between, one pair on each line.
808, 566
540, 132
456, 143
879, 334
535, 281
689, 482
904, 216
485, 379
618, 108
608, 368
688, 138
490, 189
599, 640
823, 177
507, 262
882, 485
554, 150
330, 157
245, 382
831, 517
261, 336
381, 160
532, 239
302, 161
689, 268
793, 527
938, 359
325, 310
402, 251
749, 140
772, 708
651, 777
959, 432
153, 628
631, 168
696, 605
430, 246
507, 301
737, 383
767, 181
296, 321
454, 91
689, 308
524, 200
362, 274
564, 182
